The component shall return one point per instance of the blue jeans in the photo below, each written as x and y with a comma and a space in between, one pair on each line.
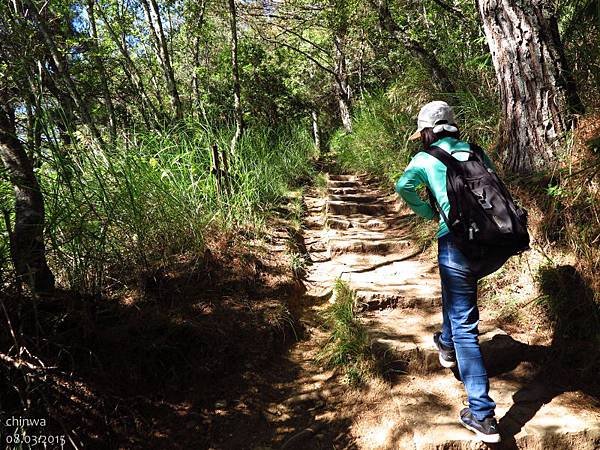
459, 327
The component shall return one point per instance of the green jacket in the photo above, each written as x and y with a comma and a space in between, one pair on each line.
427, 170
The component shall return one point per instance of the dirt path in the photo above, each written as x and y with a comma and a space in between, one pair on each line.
357, 232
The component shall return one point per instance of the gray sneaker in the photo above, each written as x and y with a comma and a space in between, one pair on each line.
486, 429
447, 355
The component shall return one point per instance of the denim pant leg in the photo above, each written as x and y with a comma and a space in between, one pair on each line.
459, 287
446, 337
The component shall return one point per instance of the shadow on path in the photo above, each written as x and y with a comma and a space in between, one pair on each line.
571, 363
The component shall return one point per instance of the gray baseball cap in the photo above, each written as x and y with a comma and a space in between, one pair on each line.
437, 115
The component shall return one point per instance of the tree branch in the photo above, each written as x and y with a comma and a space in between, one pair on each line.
449, 8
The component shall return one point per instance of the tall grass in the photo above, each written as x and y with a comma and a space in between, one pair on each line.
378, 143
114, 211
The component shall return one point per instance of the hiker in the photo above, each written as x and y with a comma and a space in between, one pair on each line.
458, 339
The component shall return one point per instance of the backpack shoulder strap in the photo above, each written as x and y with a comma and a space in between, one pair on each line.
477, 152
449, 161
444, 157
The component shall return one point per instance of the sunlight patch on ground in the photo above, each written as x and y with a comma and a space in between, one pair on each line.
378, 435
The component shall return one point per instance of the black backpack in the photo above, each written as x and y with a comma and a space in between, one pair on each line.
485, 223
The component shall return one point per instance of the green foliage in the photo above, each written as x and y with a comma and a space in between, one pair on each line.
348, 345
378, 143
383, 122
579, 22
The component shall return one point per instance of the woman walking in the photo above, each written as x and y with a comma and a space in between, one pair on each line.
457, 342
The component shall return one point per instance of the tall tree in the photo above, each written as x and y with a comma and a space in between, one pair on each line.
133, 74
61, 66
537, 91
112, 121
196, 17
235, 71
339, 21
342, 86
160, 41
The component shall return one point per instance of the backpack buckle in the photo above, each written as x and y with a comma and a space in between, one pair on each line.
483, 201
485, 204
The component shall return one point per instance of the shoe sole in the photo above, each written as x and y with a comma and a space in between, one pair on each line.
446, 364
487, 438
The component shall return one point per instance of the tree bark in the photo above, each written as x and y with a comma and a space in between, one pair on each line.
133, 74
27, 246
62, 67
235, 71
199, 20
537, 92
316, 131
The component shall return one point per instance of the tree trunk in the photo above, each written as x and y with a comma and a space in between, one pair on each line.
132, 74
237, 101
537, 92
196, 58
27, 243
342, 87
316, 131
156, 27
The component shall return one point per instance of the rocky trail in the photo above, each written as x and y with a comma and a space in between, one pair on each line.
358, 233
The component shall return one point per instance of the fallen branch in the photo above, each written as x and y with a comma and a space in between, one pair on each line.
20, 364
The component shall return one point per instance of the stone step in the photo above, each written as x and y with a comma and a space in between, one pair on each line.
530, 417
354, 198
361, 261
349, 208
342, 184
338, 224
425, 399
377, 247
361, 222
370, 300
399, 300
342, 177
357, 234
405, 338
343, 190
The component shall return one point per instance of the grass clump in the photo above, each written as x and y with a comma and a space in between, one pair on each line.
383, 121
348, 346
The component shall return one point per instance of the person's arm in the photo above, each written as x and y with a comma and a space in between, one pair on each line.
406, 187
